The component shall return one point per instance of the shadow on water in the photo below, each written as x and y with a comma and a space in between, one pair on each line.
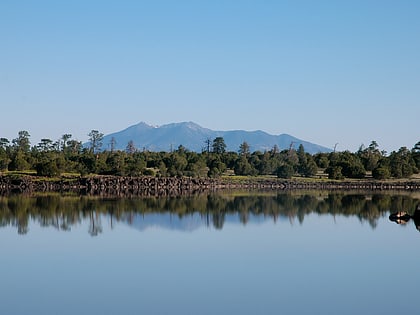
187, 213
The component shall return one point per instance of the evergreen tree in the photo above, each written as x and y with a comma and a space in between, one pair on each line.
95, 139
47, 166
402, 164
311, 168
243, 167
285, 171
131, 148
22, 142
244, 149
219, 145
416, 155
370, 156
4, 154
302, 160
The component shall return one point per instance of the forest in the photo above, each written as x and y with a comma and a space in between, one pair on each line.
68, 156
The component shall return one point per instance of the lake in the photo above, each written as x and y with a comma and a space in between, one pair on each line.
222, 253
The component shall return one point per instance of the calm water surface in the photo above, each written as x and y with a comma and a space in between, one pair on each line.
313, 253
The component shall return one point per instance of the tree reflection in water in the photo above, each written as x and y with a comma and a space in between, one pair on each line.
63, 212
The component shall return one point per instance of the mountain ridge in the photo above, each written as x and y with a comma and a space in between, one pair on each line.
193, 137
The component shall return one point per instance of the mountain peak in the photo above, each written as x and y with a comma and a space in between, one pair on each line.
193, 137
143, 124
186, 124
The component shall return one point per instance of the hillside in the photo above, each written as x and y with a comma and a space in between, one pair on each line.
193, 137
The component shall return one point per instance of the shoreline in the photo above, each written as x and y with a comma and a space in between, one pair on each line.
164, 186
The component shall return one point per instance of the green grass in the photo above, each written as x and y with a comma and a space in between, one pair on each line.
26, 172
319, 177
241, 178
67, 177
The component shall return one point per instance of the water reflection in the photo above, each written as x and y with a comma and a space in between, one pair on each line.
192, 212
402, 217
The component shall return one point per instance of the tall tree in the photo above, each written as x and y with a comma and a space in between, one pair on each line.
20, 154
416, 155
131, 148
219, 145
4, 158
370, 156
64, 139
74, 146
22, 142
45, 145
112, 144
275, 149
95, 138
207, 147
302, 160
4, 143
244, 149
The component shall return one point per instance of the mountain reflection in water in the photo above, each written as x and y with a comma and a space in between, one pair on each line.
192, 212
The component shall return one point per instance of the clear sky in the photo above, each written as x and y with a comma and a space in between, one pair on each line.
345, 72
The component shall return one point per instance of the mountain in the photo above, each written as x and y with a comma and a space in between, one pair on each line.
187, 223
193, 137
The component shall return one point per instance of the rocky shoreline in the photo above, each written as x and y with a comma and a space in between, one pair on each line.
165, 186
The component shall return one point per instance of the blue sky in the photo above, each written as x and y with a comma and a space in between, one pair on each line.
345, 72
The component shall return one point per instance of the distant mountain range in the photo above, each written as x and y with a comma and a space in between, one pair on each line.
193, 137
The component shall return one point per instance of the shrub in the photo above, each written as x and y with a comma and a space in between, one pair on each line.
381, 173
285, 171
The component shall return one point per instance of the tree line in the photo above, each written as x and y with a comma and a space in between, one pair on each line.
67, 155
